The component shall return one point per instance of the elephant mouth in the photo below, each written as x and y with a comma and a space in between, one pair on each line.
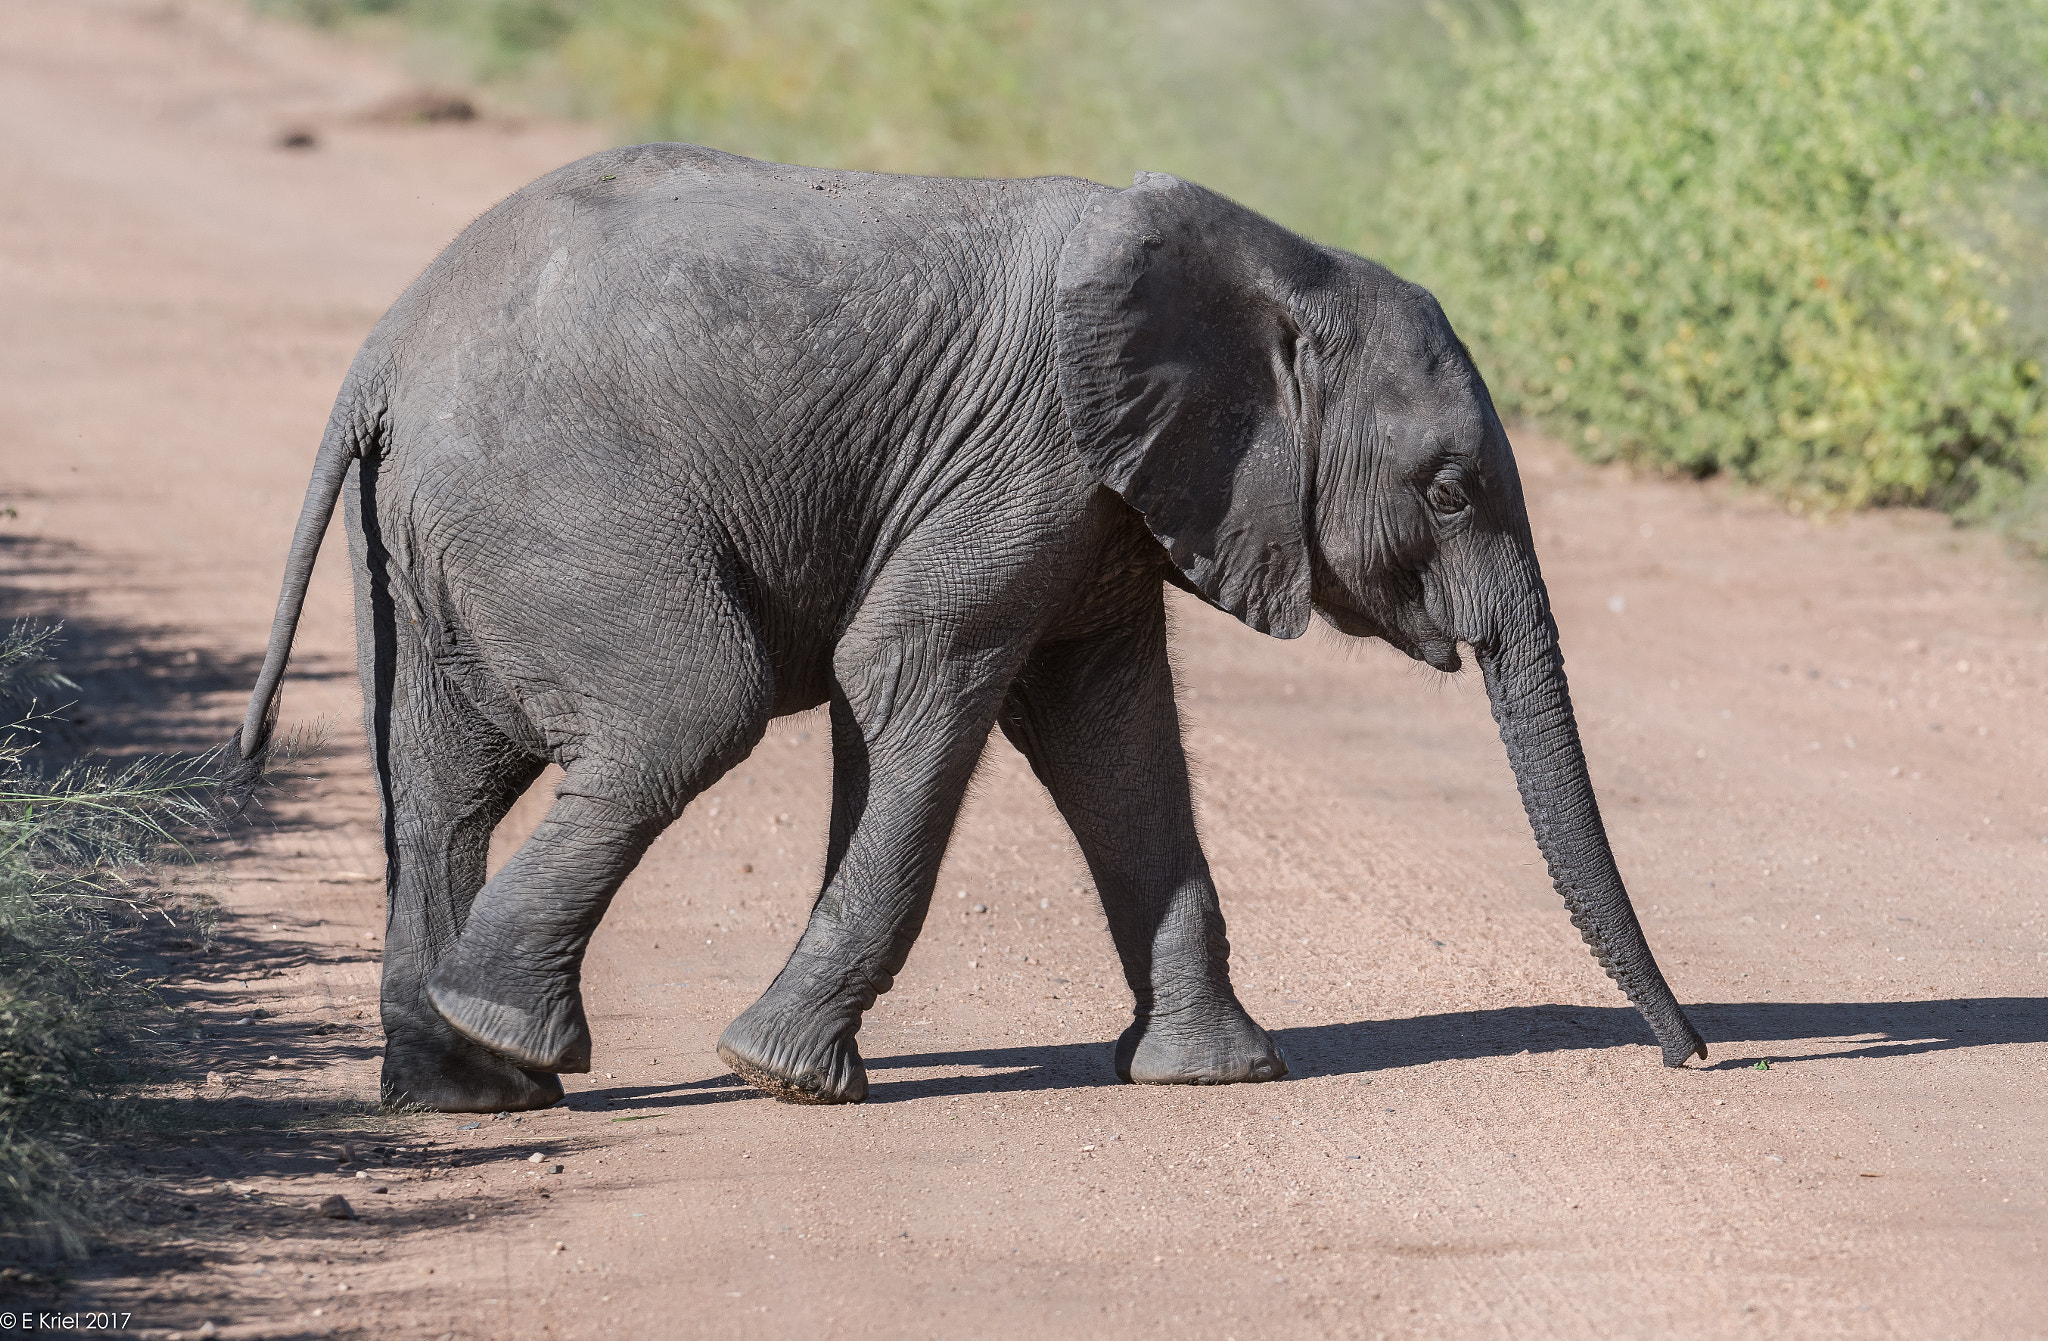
1438, 653
1419, 640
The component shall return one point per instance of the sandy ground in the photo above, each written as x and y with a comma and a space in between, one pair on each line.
1821, 750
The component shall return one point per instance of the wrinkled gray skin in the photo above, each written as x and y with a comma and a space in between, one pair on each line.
673, 442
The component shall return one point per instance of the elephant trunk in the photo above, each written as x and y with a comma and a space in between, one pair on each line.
1525, 681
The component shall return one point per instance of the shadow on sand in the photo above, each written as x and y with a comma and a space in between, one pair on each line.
141, 689
1739, 1034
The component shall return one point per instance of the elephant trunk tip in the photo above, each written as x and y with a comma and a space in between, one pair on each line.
1677, 1038
1678, 1054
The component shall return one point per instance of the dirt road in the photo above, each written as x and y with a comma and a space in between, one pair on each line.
1821, 749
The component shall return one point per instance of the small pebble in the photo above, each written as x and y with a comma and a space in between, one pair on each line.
337, 1208
534, 1158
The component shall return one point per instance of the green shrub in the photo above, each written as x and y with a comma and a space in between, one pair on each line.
1776, 240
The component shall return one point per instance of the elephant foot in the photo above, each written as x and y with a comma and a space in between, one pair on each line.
537, 1031
794, 1058
453, 1075
1224, 1047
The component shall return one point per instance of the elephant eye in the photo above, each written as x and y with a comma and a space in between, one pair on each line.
1446, 495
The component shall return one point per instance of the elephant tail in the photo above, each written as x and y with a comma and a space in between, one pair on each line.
347, 431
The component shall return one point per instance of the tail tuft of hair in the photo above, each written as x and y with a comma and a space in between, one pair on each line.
242, 775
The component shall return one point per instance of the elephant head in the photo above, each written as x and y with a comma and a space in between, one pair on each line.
1303, 432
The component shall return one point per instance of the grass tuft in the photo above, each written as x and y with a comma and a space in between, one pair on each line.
77, 1025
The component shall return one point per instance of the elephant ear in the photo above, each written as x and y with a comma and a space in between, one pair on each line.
1189, 385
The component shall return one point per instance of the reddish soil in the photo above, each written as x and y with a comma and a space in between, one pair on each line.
1821, 748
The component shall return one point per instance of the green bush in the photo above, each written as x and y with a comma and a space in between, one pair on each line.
1777, 240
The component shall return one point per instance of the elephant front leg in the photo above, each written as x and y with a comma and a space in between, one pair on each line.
1097, 721
904, 744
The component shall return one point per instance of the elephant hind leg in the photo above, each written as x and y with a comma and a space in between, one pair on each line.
448, 777
644, 749
514, 981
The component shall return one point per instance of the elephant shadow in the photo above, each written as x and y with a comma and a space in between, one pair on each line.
1740, 1034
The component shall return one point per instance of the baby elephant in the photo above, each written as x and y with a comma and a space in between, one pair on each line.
673, 442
